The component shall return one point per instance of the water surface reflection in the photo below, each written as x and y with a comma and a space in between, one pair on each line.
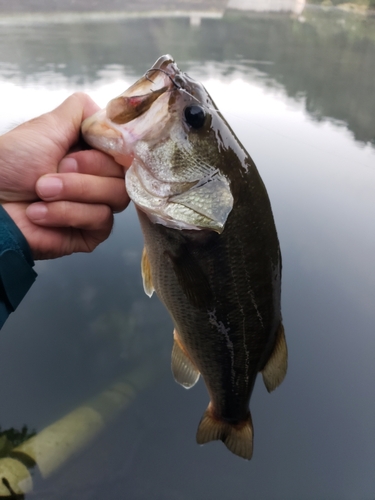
299, 94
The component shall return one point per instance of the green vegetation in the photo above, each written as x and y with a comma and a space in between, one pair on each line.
354, 5
11, 438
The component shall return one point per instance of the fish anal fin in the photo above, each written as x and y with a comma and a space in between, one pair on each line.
275, 370
238, 438
146, 274
184, 370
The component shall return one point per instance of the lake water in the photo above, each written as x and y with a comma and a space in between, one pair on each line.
299, 93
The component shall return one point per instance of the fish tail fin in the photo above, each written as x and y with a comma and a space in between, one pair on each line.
238, 438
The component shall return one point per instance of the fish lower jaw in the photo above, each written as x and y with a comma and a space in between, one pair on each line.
102, 136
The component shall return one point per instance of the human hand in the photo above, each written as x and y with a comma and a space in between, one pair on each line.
79, 191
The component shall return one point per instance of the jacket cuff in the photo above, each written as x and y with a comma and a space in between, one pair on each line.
16, 266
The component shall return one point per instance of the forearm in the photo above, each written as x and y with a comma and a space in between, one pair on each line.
16, 266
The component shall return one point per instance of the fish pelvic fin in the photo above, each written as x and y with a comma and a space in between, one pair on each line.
146, 274
184, 370
238, 438
275, 370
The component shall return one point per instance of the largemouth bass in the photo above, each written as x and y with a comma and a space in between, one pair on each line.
211, 248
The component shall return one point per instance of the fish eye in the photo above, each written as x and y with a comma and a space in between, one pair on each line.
195, 116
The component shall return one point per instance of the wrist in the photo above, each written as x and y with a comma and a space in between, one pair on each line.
16, 263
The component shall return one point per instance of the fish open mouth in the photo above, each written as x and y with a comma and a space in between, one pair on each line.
107, 129
138, 98
124, 109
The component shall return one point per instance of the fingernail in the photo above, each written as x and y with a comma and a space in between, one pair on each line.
49, 187
68, 165
36, 211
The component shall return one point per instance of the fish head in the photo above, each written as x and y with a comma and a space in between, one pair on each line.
168, 126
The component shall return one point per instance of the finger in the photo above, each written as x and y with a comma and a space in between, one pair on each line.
76, 107
62, 125
60, 214
91, 162
57, 242
84, 188
66, 119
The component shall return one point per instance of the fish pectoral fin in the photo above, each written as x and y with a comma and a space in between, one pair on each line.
238, 438
183, 369
146, 274
275, 370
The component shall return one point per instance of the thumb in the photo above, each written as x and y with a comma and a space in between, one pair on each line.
66, 119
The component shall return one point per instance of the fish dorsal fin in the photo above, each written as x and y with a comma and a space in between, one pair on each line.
275, 370
238, 438
183, 369
146, 274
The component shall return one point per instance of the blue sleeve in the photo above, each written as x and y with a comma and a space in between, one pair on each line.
16, 266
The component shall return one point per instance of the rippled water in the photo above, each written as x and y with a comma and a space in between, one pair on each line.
299, 93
